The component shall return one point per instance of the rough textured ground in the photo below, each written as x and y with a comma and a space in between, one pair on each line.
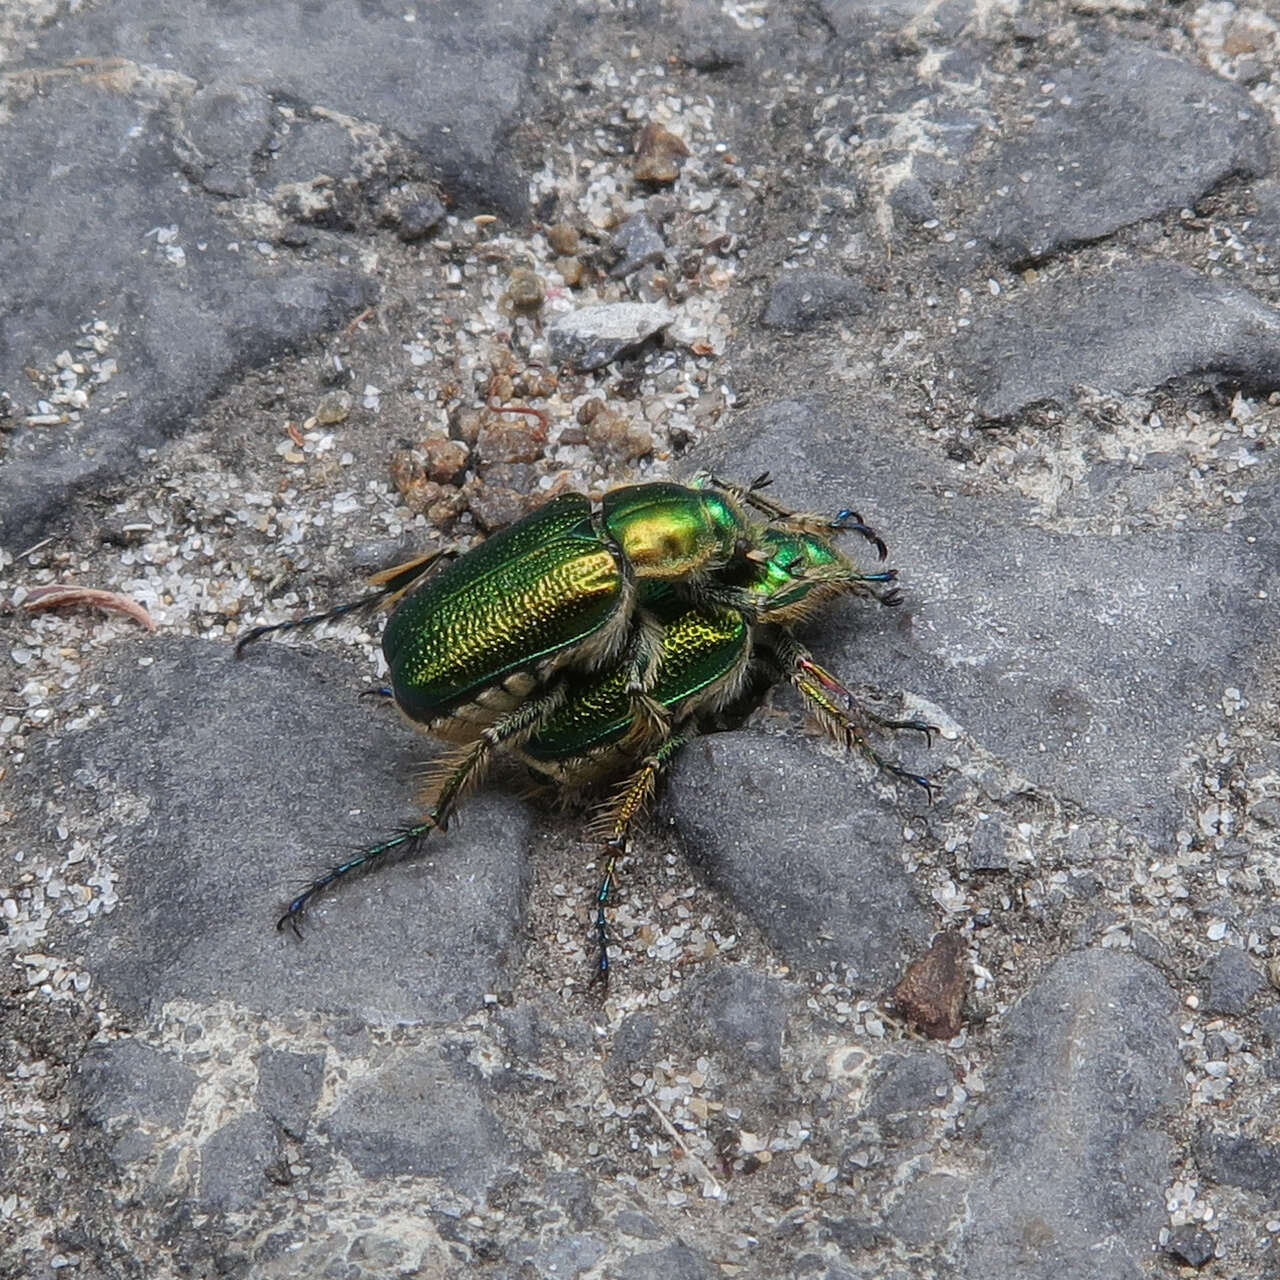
1002, 276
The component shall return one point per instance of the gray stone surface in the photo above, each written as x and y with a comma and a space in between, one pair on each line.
215, 762
289, 1086
740, 1017
233, 1164
1138, 133
449, 81
1082, 662
132, 1079
801, 300
421, 1114
187, 309
1078, 1157
827, 888
1128, 328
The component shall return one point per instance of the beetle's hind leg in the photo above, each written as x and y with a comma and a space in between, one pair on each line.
391, 585
613, 826
838, 712
447, 784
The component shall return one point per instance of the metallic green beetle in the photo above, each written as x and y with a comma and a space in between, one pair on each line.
592, 643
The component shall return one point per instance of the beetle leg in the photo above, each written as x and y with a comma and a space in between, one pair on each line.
455, 774
644, 662
838, 712
391, 583
614, 826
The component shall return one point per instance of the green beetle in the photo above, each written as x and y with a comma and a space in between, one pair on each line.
593, 643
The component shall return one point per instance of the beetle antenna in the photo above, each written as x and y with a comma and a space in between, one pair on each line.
391, 585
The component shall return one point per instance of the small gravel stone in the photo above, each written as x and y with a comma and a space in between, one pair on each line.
446, 459
1237, 1160
932, 991
591, 337
636, 243
1191, 1245
658, 155
1233, 982
988, 847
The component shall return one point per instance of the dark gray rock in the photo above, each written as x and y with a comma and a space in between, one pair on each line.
637, 243
928, 1211
129, 1078
989, 593
237, 781
421, 1115
802, 300
233, 1164
1238, 1160
908, 1085
675, 1262
1131, 328
568, 1255
708, 39
289, 1086
825, 884
1191, 1245
988, 846
1233, 982
1073, 1078
738, 1016
856, 20
591, 337
451, 82
188, 311
1137, 134
631, 1222
223, 129
633, 1043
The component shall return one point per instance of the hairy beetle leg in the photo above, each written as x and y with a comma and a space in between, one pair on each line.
448, 783
838, 712
616, 820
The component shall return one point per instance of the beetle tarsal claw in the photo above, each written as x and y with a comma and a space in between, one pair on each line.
593, 641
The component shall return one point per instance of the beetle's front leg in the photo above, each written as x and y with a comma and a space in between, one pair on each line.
838, 711
613, 825
644, 662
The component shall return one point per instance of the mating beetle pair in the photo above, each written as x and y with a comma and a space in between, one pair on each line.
595, 643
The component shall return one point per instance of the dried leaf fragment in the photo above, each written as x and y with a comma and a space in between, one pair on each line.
59, 595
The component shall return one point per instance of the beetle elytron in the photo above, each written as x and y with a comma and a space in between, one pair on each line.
595, 643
